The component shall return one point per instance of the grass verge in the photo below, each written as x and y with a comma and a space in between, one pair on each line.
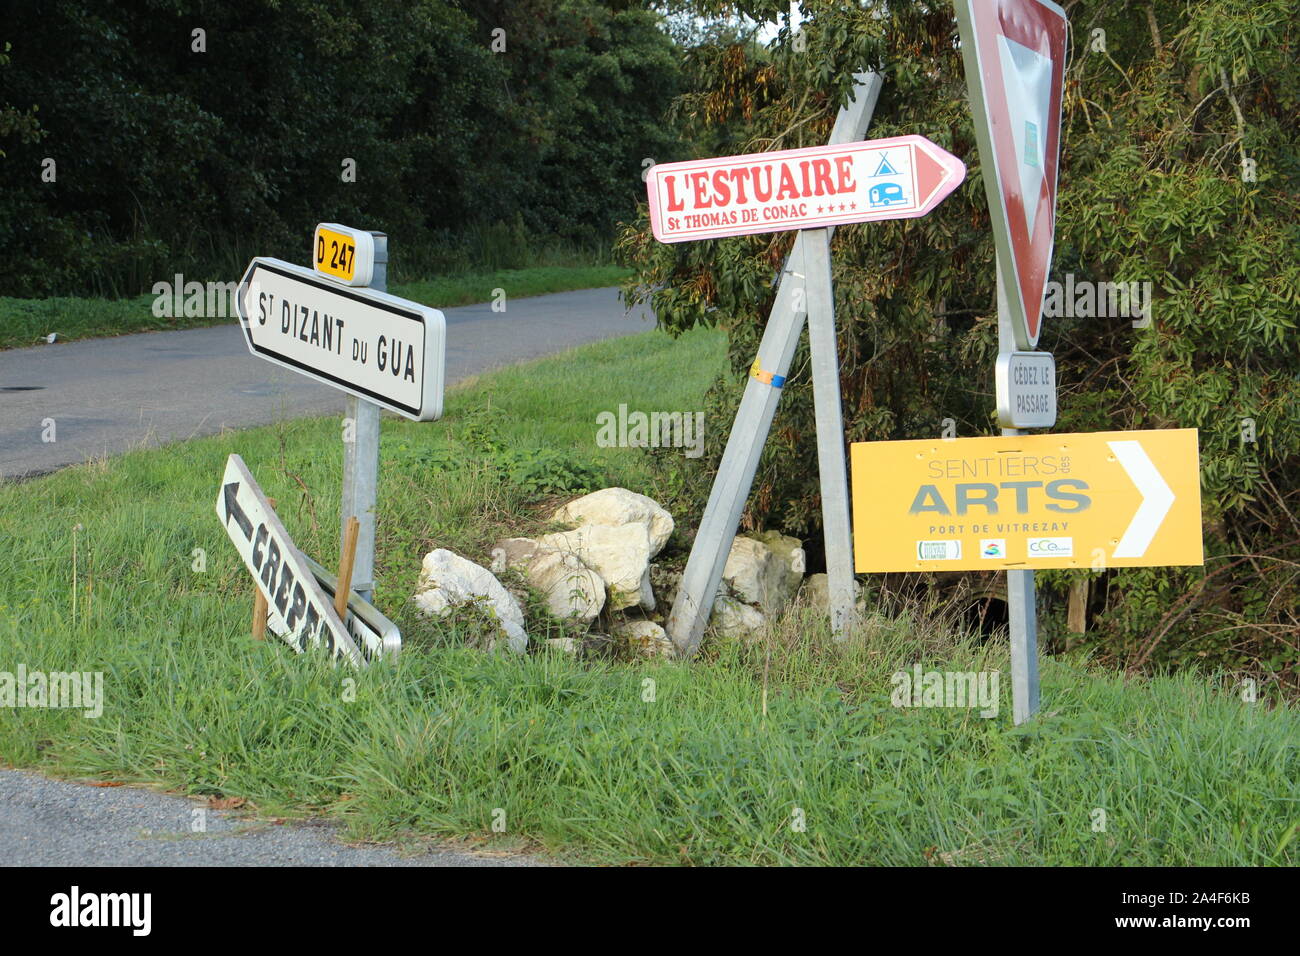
786, 751
25, 322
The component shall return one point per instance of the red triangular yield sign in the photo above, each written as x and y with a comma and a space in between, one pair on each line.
1014, 53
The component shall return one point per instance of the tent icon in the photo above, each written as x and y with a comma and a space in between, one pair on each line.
885, 168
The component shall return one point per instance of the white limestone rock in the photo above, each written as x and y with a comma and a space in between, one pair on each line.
615, 507
789, 552
644, 638
448, 581
732, 619
620, 555
572, 590
756, 575
513, 553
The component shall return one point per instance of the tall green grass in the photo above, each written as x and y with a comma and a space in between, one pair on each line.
713, 761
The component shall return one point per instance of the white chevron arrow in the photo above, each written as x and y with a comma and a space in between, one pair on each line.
1157, 498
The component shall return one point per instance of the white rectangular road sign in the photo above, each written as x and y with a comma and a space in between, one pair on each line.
370, 344
1026, 389
278, 568
897, 178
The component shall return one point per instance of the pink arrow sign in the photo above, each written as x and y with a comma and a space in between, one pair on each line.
897, 178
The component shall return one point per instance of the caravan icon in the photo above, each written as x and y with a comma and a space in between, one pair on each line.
886, 194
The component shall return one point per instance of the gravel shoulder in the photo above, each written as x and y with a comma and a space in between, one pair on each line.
45, 822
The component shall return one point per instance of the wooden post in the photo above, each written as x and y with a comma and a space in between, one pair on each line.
260, 607
1077, 616
347, 558
259, 614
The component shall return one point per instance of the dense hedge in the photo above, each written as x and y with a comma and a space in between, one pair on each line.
1157, 125
170, 158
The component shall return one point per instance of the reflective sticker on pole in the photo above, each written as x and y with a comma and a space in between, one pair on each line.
767, 378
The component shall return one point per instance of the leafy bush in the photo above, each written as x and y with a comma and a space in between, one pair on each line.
174, 159
545, 470
536, 470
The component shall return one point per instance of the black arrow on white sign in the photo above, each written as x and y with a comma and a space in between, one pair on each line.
231, 494
278, 568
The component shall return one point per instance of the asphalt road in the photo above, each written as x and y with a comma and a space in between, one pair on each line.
107, 396
47, 822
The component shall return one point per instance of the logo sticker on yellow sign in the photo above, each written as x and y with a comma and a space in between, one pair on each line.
1095, 500
344, 254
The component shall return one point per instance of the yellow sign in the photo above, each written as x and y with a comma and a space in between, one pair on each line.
1102, 499
343, 253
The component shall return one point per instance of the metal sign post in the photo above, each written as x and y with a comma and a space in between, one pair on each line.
1022, 610
830, 430
361, 457
1023, 502
690, 612
810, 191
336, 323
1014, 54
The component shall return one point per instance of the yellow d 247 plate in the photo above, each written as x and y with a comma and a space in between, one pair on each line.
344, 254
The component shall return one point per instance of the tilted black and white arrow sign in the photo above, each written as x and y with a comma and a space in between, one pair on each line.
374, 634
368, 343
278, 568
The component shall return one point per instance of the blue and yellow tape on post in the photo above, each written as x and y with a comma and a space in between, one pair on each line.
767, 378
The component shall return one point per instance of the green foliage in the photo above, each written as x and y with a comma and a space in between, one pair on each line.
587, 89
536, 471
15, 122
545, 470
171, 159
1158, 131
